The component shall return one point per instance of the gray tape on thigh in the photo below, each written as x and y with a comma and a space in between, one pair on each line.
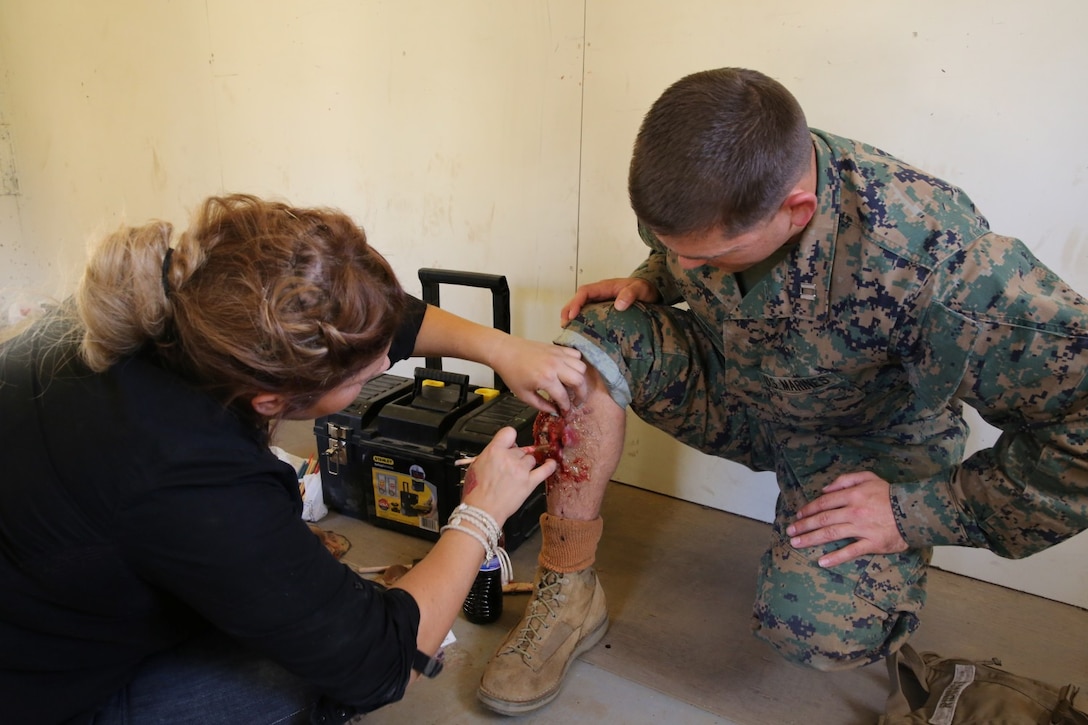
605, 365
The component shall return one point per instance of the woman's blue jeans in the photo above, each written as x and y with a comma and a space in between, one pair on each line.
210, 680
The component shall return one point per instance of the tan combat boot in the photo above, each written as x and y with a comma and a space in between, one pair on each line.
565, 617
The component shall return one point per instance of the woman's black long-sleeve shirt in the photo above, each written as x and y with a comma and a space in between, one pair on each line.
136, 511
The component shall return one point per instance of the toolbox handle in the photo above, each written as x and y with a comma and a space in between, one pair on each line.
431, 278
442, 376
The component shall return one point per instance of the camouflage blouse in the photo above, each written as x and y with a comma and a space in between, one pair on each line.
898, 304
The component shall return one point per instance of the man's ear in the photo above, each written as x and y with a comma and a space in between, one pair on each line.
801, 206
268, 405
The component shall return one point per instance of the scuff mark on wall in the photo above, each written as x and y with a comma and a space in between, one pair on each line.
159, 177
9, 176
1074, 252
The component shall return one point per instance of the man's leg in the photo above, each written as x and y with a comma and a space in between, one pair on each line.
566, 614
658, 360
861, 611
833, 619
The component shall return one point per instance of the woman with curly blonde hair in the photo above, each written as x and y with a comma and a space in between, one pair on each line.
154, 565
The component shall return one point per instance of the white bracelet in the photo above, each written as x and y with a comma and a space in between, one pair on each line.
483, 520
491, 534
474, 511
487, 539
489, 552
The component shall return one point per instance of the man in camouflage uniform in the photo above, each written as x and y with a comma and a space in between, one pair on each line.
841, 306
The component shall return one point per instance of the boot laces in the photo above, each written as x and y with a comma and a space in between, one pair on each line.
542, 607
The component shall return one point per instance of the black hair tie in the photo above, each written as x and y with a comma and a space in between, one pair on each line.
166, 270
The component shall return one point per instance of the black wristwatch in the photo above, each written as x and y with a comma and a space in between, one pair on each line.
426, 665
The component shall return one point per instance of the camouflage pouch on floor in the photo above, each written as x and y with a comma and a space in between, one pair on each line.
929, 689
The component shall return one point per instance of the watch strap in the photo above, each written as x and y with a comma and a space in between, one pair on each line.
426, 665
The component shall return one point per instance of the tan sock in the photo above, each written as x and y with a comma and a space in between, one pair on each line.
569, 545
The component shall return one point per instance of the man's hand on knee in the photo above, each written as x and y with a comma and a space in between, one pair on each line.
854, 506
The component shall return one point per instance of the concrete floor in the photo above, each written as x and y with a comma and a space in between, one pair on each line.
591, 692
679, 580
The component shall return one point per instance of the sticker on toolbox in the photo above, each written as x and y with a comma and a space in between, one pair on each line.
406, 499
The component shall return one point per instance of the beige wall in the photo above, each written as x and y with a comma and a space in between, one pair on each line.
482, 135
449, 130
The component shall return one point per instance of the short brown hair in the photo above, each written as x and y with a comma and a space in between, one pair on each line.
257, 297
719, 148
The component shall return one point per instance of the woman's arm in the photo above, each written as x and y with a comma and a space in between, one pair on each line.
549, 377
504, 476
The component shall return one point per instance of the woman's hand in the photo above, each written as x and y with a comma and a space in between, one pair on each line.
503, 476
528, 367
498, 481
854, 506
531, 367
623, 291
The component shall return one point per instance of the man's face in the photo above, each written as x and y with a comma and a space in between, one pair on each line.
731, 254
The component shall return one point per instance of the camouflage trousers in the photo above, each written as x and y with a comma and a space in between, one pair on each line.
661, 362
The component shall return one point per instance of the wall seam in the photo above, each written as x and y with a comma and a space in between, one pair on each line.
581, 144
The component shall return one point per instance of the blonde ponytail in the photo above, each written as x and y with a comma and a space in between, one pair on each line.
120, 298
256, 297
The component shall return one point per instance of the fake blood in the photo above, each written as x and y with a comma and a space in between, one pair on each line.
470, 483
554, 435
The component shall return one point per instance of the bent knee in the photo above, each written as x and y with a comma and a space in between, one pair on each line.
828, 643
826, 656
